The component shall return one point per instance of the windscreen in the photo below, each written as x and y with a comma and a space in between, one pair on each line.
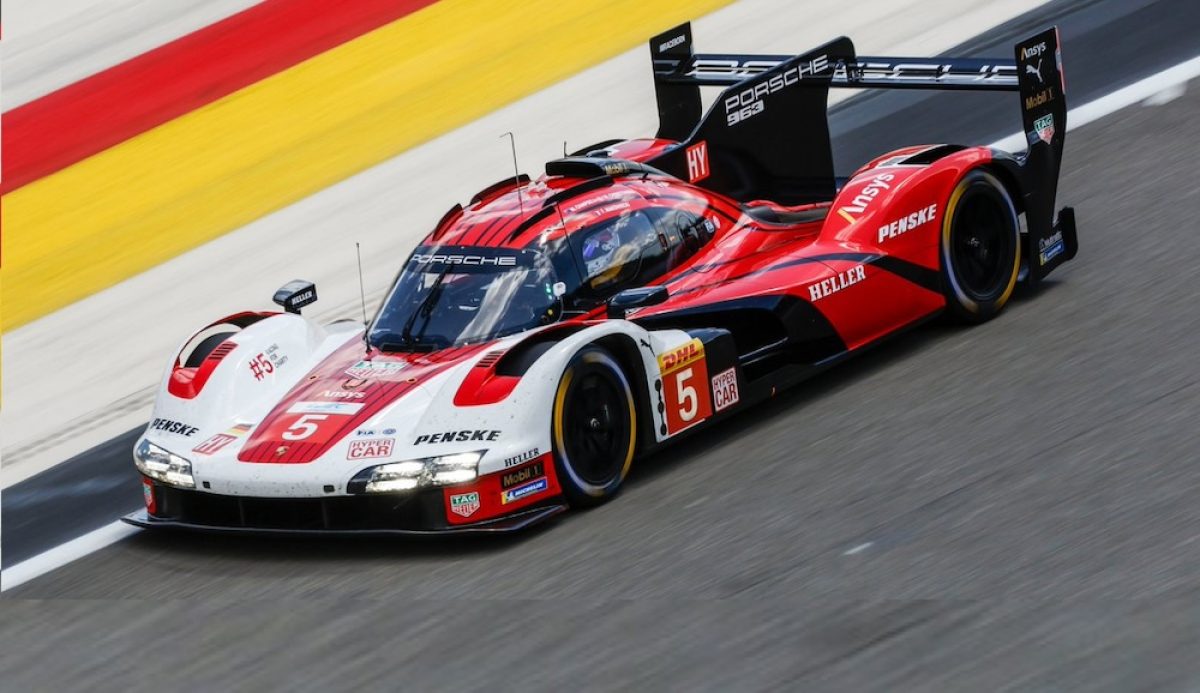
452, 295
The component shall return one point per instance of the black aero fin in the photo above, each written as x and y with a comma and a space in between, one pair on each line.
679, 105
767, 136
1042, 89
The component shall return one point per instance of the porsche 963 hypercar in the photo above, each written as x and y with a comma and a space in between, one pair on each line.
540, 339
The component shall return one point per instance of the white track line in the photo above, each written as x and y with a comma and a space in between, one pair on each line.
1170, 79
63, 554
1094, 110
859, 549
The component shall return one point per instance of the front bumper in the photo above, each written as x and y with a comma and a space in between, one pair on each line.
413, 514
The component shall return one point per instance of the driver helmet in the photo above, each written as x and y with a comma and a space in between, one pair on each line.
599, 250
608, 252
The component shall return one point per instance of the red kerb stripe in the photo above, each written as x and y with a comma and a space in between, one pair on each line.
89, 116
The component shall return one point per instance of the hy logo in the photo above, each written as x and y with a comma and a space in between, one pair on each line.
697, 162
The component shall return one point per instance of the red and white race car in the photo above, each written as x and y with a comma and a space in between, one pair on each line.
553, 330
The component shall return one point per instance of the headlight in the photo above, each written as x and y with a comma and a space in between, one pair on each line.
453, 469
161, 465
404, 476
400, 476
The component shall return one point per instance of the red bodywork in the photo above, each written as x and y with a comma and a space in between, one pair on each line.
865, 275
270, 445
865, 262
831, 255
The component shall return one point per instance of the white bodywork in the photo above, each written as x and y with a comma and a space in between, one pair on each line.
296, 346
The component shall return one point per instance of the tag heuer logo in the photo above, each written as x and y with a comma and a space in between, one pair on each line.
464, 504
1044, 127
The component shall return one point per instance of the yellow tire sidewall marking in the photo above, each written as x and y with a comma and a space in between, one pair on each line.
947, 224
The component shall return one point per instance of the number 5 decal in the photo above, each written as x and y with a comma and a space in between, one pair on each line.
687, 394
685, 386
303, 427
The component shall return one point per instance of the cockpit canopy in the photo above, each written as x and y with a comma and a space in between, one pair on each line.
448, 295
637, 247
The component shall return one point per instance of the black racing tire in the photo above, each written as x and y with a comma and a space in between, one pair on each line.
980, 248
205, 347
594, 427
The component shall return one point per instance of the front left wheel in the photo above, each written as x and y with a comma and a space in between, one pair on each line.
594, 430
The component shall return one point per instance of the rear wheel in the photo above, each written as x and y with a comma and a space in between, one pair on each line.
594, 427
980, 248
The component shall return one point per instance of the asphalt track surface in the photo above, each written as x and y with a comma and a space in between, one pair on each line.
1010, 506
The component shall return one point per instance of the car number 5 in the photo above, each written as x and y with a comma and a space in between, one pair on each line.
304, 426
686, 398
687, 394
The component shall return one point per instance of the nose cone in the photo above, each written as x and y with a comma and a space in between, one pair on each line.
348, 393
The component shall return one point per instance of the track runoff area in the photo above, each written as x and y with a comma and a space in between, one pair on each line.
1159, 84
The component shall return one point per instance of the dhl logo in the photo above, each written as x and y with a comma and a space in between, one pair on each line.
681, 356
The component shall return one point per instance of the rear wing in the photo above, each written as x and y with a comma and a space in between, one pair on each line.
767, 135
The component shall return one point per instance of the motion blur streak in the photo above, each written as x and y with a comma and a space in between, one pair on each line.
65, 553
91, 115
194, 178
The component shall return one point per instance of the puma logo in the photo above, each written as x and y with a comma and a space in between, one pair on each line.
1035, 71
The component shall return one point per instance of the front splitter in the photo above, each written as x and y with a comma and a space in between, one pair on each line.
511, 523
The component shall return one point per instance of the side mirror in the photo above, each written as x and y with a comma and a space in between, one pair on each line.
295, 295
631, 299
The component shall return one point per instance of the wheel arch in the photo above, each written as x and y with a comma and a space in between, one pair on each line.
1002, 169
632, 347
199, 341
624, 350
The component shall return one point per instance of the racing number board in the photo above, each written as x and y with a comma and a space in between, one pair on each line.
685, 386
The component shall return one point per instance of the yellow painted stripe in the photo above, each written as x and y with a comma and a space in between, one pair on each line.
188, 181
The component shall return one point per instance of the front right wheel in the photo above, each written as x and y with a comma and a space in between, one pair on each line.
980, 248
594, 429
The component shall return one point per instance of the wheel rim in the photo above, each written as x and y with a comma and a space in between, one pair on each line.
981, 245
597, 429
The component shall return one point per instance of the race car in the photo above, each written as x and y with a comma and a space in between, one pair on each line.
552, 331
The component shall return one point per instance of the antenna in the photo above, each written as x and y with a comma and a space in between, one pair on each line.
567, 239
565, 148
512, 140
362, 294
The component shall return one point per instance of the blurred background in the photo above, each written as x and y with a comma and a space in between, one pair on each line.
1009, 507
